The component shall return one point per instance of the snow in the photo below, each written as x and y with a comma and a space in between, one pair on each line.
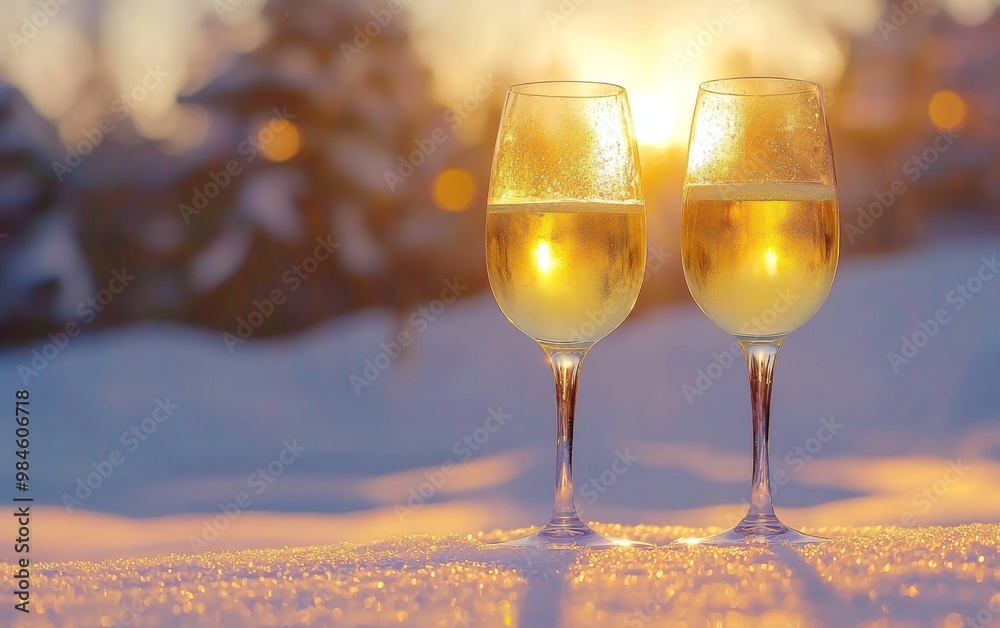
221, 259
927, 577
854, 443
266, 200
48, 253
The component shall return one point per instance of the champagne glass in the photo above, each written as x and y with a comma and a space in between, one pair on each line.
566, 247
760, 241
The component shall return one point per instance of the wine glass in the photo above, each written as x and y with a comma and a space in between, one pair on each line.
566, 247
760, 241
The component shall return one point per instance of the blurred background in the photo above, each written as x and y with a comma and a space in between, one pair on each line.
166, 168
182, 87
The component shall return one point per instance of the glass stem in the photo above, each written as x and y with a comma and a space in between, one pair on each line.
566, 368
760, 356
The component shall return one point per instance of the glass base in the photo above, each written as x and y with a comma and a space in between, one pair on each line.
756, 531
568, 535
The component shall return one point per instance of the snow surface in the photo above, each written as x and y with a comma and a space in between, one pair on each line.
863, 577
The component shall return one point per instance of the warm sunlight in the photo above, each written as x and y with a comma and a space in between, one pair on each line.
656, 121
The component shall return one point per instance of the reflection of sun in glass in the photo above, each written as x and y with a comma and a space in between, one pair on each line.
771, 261
544, 259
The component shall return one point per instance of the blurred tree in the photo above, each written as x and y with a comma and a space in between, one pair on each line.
316, 177
42, 270
331, 138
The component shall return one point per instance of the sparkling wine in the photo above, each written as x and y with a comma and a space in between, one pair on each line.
760, 259
566, 272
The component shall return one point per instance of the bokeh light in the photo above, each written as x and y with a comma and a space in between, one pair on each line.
947, 110
454, 189
279, 140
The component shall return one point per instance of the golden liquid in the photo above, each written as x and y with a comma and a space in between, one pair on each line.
566, 272
760, 259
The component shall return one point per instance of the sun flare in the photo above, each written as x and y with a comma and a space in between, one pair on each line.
655, 116
544, 259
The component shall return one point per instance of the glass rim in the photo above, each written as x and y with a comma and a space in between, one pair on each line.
567, 89
759, 86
